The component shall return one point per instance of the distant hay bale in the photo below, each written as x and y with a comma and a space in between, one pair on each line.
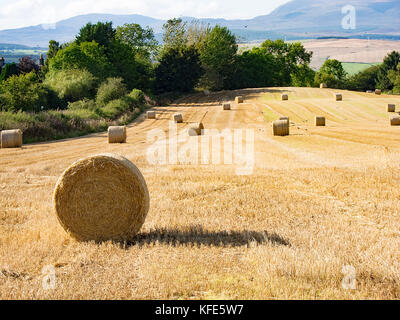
239, 99
391, 108
320, 121
151, 114
226, 106
338, 97
286, 119
284, 97
323, 86
11, 138
370, 91
378, 92
280, 128
196, 129
395, 121
178, 118
117, 134
100, 198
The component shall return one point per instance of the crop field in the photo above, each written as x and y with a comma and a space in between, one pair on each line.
320, 207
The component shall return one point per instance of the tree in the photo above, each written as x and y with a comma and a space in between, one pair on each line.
102, 32
8, 71
178, 70
140, 40
394, 77
332, 73
389, 63
196, 33
217, 55
174, 34
364, 80
27, 64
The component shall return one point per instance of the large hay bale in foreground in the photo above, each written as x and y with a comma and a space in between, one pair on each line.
226, 106
117, 134
11, 138
196, 129
286, 119
151, 114
102, 197
378, 92
239, 99
320, 121
178, 118
395, 121
323, 86
284, 97
391, 108
280, 128
338, 97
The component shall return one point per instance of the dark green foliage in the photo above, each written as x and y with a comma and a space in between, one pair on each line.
8, 71
389, 63
111, 89
364, 80
102, 33
331, 73
178, 70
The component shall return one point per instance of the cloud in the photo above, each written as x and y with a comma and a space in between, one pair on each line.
19, 13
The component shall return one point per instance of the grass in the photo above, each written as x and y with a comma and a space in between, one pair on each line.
318, 200
354, 68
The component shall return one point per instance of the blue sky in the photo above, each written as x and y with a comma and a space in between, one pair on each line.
20, 13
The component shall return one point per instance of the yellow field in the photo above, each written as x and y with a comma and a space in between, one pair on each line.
318, 200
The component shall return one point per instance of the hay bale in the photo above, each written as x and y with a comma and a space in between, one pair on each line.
102, 197
338, 97
151, 114
239, 99
11, 138
370, 91
320, 121
117, 134
391, 108
378, 92
286, 119
196, 129
280, 128
323, 86
226, 106
178, 118
395, 121
284, 97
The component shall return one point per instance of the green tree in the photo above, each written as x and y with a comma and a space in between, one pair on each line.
217, 55
8, 71
391, 62
174, 34
140, 40
394, 77
332, 73
364, 80
102, 33
178, 70
111, 89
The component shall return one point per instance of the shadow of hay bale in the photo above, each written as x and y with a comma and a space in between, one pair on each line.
197, 236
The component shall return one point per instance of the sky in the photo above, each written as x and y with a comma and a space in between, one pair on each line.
23, 13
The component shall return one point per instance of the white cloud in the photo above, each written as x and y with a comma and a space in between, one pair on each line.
20, 13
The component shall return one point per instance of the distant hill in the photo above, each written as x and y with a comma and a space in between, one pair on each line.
297, 19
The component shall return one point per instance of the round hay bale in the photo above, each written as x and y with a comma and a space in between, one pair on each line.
338, 97
102, 197
226, 106
196, 129
178, 118
239, 99
378, 92
151, 114
320, 121
117, 134
370, 91
11, 138
391, 108
286, 119
285, 97
323, 86
395, 121
280, 128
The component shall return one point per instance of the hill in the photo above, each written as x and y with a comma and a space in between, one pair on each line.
297, 19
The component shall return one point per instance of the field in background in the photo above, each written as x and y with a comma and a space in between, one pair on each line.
318, 200
353, 68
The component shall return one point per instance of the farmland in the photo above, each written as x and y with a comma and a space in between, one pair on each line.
318, 200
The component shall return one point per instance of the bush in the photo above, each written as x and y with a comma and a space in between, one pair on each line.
115, 108
8, 71
111, 89
138, 98
72, 85
83, 104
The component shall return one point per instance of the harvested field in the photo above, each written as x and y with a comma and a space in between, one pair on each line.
318, 200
